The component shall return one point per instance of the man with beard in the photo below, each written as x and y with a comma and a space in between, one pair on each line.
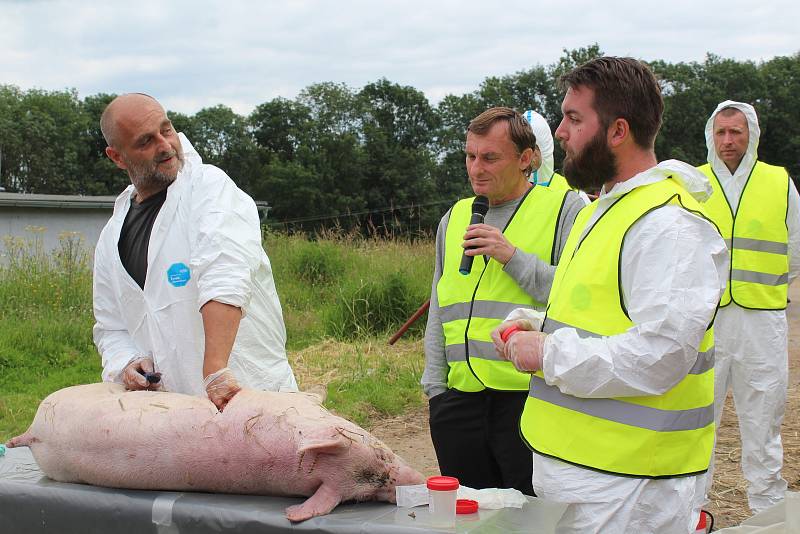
475, 398
756, 207
183, 293
619, 414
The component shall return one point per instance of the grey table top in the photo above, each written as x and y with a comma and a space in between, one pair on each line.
32, 503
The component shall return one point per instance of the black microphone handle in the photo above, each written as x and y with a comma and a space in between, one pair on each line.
466, 261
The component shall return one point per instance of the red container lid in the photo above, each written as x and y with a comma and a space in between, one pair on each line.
443, 483
466, 506
508, 332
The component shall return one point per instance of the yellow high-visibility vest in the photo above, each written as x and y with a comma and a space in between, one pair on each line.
559, 183
655, 436
471, 306
756, 236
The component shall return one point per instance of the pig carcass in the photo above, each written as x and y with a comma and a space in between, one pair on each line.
264, 443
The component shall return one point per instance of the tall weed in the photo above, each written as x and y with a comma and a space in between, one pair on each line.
32, 280
369, 285
372, 307
318, 262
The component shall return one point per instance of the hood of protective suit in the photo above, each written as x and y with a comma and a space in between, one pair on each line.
750, 156
695, 182
544, 140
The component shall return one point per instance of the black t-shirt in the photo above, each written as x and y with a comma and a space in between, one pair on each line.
134, 237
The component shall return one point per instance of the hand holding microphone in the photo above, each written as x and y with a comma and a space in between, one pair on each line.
479, 208
483, 240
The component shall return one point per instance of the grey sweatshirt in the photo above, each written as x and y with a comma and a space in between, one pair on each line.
532, 274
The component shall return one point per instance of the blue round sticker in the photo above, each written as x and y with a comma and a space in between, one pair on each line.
178, 274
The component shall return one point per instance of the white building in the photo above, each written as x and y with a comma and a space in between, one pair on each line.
50, 217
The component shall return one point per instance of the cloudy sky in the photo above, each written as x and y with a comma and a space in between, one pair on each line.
192, 54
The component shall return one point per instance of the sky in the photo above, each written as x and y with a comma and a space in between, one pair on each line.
200, 53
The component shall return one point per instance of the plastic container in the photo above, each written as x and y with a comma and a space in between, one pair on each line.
442, 493
466, 506
508, 332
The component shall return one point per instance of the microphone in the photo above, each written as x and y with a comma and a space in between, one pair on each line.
479, 208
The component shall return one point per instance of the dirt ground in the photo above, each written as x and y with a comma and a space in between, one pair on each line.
408, 436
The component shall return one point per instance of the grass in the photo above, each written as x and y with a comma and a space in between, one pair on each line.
368, 288
342, 296
364, 380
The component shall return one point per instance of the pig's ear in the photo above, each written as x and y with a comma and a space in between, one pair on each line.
331, 445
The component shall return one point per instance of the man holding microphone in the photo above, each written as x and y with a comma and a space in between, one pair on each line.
475, 398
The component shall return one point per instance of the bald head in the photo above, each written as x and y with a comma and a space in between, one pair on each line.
142, 141
121, 109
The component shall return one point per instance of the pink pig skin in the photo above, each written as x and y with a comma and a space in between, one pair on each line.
264, 443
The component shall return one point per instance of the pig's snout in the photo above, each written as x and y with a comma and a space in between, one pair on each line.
401, 475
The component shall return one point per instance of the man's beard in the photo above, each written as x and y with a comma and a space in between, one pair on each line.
593, 166
147, 177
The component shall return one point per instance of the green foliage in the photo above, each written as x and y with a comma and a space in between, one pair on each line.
379, 158
375, 386
370, 307
318, 262
348, 287
47, 144
32, 282
45, 325
365, 379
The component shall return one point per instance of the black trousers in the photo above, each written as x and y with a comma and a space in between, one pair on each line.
477, 439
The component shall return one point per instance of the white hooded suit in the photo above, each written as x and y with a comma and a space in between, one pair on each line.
205, 245
751, 346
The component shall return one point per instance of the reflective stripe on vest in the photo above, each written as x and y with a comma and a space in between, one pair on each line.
757, 237
472, 306
654, 436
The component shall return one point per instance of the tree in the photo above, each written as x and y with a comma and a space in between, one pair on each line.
450, 175
333, 108
102, 177
281, 126
779, 113
691, 93
336, 151
42, 141
398, 125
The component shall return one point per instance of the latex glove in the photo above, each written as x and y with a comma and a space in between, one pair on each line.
133, 374
221, 386
526, 350
497, 333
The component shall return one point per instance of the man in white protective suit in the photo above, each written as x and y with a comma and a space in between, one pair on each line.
757, 209
182, 285
620, 409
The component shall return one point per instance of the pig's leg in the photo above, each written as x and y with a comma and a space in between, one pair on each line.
324, 500
23, 440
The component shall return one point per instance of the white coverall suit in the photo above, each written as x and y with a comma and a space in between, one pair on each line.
751, 346
205, 245
674, 268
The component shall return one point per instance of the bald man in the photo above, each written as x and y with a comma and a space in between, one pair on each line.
184, 298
